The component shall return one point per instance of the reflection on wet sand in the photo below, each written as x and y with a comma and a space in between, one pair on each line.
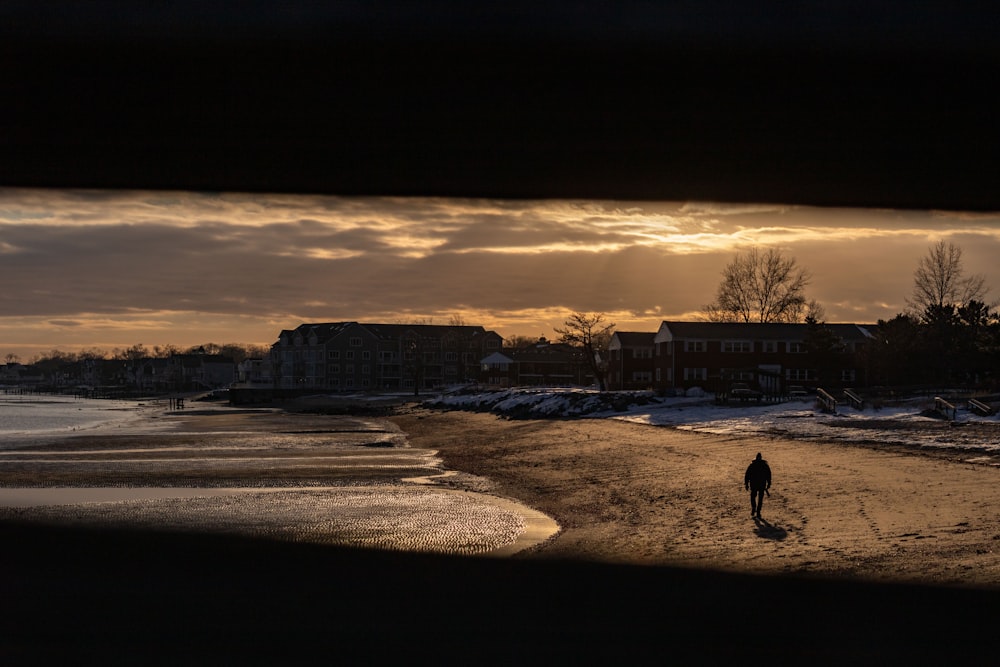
346, 484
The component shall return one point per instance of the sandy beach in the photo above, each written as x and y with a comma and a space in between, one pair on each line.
635, 494
599, 490
653, 545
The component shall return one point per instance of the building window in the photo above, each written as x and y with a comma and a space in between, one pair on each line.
349, 369
799, 374
770, 346
737, 346
366, 355
333, 368
694, 346
642, 376
657, 374
365, 382
848, 375
356, 341
695, 373
796, 347
366, 369
349, 355
386, 356
642, 353
334, 354
451, 356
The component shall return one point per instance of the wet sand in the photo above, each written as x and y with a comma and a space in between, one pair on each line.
266, 474
636, 494
862, 555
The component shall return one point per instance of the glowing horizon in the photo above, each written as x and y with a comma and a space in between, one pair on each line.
87, 269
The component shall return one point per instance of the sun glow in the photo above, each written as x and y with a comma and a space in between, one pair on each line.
84, 267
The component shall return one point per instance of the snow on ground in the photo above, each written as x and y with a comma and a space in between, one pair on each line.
912, 422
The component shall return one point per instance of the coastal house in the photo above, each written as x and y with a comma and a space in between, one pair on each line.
767, 356
498, 370
630, 360
185, 372
253, 371
352, 356
541, 364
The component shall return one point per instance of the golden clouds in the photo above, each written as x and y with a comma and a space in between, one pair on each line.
188, 267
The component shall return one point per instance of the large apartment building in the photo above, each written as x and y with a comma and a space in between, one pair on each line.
347, 356
712, 355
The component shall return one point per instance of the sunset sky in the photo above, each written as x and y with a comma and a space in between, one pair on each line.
99, 269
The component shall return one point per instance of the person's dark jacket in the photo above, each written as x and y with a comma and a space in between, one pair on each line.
758, 475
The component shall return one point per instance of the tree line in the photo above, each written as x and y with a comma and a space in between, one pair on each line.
55, 358
948, 333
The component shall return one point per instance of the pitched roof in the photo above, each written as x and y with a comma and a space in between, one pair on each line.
546, 352
753, 330
635, 338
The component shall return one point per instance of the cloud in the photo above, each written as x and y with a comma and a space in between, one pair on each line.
92, 267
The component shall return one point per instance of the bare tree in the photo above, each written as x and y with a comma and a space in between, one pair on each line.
761, 286
590, 332
940, 280
518, 341
133, 353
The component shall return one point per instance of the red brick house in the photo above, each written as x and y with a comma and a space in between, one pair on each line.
712, 355
630, 360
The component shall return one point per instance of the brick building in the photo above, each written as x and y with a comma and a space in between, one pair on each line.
712, 355
352, 356
630, 360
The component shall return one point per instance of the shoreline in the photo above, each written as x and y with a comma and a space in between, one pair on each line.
265, 473
657, 559
648, 495
617, 491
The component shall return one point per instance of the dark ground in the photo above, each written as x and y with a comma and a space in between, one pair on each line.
108, 598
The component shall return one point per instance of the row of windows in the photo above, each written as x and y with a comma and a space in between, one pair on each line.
744, 346
366, 355
795, 374
366, 369
765, 346
384, 356
358, 341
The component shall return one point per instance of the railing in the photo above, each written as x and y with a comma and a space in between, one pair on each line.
944, 406
980, 407
828, 402
855, 400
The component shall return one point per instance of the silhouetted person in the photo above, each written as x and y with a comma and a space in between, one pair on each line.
758, 480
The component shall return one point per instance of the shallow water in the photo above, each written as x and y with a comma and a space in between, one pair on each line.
25, 417
268, 480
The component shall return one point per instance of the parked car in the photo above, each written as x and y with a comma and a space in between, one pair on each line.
797, 391
742, 390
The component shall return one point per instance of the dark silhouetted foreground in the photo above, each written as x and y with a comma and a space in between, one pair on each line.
112, 597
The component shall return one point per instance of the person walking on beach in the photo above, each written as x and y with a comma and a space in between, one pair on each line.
757, 480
